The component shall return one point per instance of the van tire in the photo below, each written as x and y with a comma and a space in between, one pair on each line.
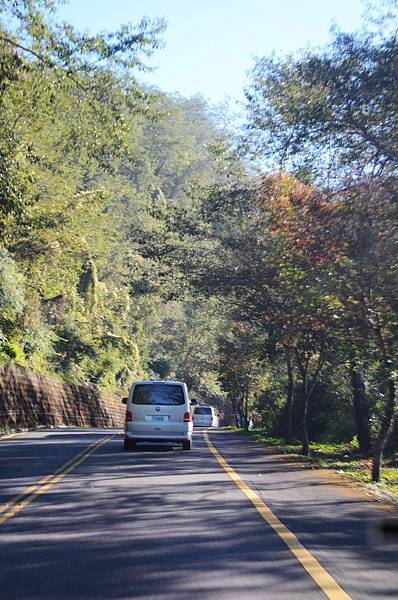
187, 445
128, 444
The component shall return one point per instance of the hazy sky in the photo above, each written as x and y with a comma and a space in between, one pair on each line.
210, 44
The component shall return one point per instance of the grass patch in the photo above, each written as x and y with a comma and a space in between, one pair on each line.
259, 436
234, 429
5, 431
343, 458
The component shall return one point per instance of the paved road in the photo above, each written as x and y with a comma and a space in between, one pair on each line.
160, 524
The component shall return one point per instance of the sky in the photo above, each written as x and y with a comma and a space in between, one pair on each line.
210, 45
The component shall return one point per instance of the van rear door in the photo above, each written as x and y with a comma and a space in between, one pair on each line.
158, 408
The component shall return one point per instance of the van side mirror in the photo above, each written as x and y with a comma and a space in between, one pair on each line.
124, 400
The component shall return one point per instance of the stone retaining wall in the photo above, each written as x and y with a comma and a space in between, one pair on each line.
28, 399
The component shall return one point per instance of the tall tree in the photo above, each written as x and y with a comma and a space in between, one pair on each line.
333, 109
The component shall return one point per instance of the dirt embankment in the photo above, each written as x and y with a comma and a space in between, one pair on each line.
28, 399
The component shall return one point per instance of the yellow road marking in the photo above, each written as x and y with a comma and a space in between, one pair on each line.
17, 503
44, 479
321, 577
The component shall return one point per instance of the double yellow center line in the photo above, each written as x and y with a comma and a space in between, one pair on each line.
322, 578
17, 503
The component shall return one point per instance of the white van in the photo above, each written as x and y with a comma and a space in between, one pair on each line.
158, 411
205, 416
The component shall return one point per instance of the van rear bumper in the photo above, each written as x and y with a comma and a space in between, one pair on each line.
153, 437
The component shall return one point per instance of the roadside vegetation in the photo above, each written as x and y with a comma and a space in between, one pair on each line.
345, 459
140, 238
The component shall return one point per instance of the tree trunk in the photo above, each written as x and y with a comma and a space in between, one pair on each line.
386, 428
234, 408
246, 408
290, 397
305, 440
361, 408
240, 408
308, 388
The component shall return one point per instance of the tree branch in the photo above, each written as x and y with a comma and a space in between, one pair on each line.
24, 48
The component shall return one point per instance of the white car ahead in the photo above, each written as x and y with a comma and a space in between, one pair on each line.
205, 416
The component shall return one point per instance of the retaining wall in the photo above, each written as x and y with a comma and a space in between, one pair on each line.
28, 399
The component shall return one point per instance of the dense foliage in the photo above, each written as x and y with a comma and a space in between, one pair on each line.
91, 167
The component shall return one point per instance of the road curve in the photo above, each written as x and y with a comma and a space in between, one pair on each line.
165, 524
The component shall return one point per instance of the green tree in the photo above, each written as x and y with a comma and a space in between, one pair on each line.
330, 110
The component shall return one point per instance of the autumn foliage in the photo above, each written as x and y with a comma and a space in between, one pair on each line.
301, 214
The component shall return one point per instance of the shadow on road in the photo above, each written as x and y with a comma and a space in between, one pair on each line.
165, 524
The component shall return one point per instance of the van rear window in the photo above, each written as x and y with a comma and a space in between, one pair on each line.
158, 393
202, 410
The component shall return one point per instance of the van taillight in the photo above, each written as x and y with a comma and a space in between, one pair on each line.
129, 415
187, 417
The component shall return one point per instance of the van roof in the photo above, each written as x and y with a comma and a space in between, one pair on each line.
168, 381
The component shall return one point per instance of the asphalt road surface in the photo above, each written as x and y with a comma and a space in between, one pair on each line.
159, 523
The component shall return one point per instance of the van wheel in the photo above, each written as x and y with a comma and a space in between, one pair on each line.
128, 444
187, 445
